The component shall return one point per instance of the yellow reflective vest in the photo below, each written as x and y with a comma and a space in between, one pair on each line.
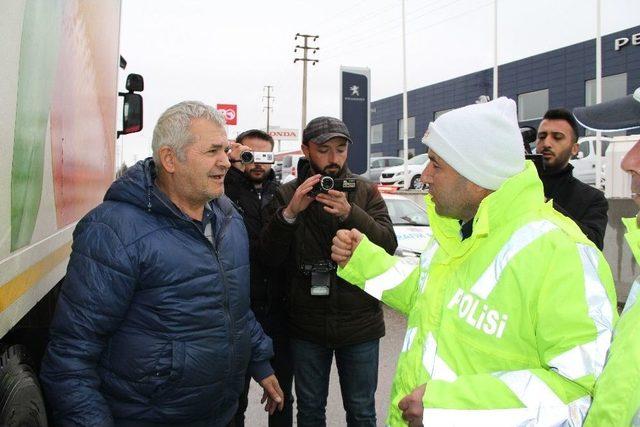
616, 400
510, 326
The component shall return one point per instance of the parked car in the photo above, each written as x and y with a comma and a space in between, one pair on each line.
289, 170
378, 164
410, 223
395, 175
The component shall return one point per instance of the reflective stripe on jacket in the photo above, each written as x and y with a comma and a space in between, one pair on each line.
508, 327
616, 399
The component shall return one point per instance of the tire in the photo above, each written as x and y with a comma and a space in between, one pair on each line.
21, 402
416, 184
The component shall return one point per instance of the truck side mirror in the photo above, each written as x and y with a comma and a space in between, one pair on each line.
131, 114
132, 105
135, 83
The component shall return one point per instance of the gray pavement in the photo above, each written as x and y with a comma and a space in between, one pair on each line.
390, 346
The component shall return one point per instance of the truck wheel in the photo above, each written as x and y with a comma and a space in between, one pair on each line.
21, 402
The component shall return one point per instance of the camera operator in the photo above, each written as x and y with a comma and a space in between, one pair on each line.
586, 206
324, 315
251, 186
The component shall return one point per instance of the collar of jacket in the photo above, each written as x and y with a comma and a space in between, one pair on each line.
304, 170
633, 236
518, 195
137, 187
567, 170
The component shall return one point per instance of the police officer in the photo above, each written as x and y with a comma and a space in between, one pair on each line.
617, 395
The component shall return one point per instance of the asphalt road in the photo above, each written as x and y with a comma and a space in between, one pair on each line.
390, 346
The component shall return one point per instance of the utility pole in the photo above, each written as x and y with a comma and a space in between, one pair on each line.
268, 107
304, 60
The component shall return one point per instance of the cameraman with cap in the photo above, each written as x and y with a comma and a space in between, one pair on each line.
325, 316
511, 308
617, 394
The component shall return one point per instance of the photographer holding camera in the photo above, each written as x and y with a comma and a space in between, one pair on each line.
324, 315
250, 183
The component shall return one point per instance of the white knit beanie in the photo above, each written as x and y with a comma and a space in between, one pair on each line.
482, 142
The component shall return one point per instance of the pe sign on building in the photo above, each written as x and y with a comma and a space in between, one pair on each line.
355, 107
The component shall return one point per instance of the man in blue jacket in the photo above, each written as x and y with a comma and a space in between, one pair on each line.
153, 325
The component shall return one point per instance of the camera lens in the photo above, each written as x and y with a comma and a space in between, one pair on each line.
246, 157
326, 183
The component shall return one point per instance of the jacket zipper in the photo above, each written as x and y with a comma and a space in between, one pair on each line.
216, 255
227, 310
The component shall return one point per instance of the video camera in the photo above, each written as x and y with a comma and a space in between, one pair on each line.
529, 136
320, 272
326, 183
257, 157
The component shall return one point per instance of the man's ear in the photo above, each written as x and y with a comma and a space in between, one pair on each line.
574, 149
305, 150
168, 159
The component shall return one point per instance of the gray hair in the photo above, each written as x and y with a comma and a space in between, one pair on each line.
172, 129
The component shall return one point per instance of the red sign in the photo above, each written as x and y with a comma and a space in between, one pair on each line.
230, 112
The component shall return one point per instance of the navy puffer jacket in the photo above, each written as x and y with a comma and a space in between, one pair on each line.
153, 321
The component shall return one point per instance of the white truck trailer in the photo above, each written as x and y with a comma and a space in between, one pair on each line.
58, 128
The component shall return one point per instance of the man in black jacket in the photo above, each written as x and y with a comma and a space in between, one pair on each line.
325, 316
587, 206
251, 186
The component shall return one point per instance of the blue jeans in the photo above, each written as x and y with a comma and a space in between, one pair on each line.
358, 371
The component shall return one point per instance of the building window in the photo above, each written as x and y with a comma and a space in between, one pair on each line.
376, 134
411, 128
613, 87
441, 112
533, 105
411, 153
376, 154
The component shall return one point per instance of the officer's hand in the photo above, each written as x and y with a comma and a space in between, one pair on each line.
411, 407
336, 203
301, 200
344, 243
235, 150
273, 394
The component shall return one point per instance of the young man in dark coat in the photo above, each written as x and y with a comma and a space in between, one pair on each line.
326, 317
153, 325
585, 205
251, 186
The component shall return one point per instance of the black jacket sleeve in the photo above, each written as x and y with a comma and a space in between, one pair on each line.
593, 222
277, 235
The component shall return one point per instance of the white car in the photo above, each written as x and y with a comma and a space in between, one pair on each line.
395, 175
410, 223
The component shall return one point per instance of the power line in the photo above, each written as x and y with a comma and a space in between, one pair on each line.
366, 43
390, 26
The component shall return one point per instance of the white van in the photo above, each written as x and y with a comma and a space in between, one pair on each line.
290, 167
584, 163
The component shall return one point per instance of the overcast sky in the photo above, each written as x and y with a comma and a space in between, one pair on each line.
226, 52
